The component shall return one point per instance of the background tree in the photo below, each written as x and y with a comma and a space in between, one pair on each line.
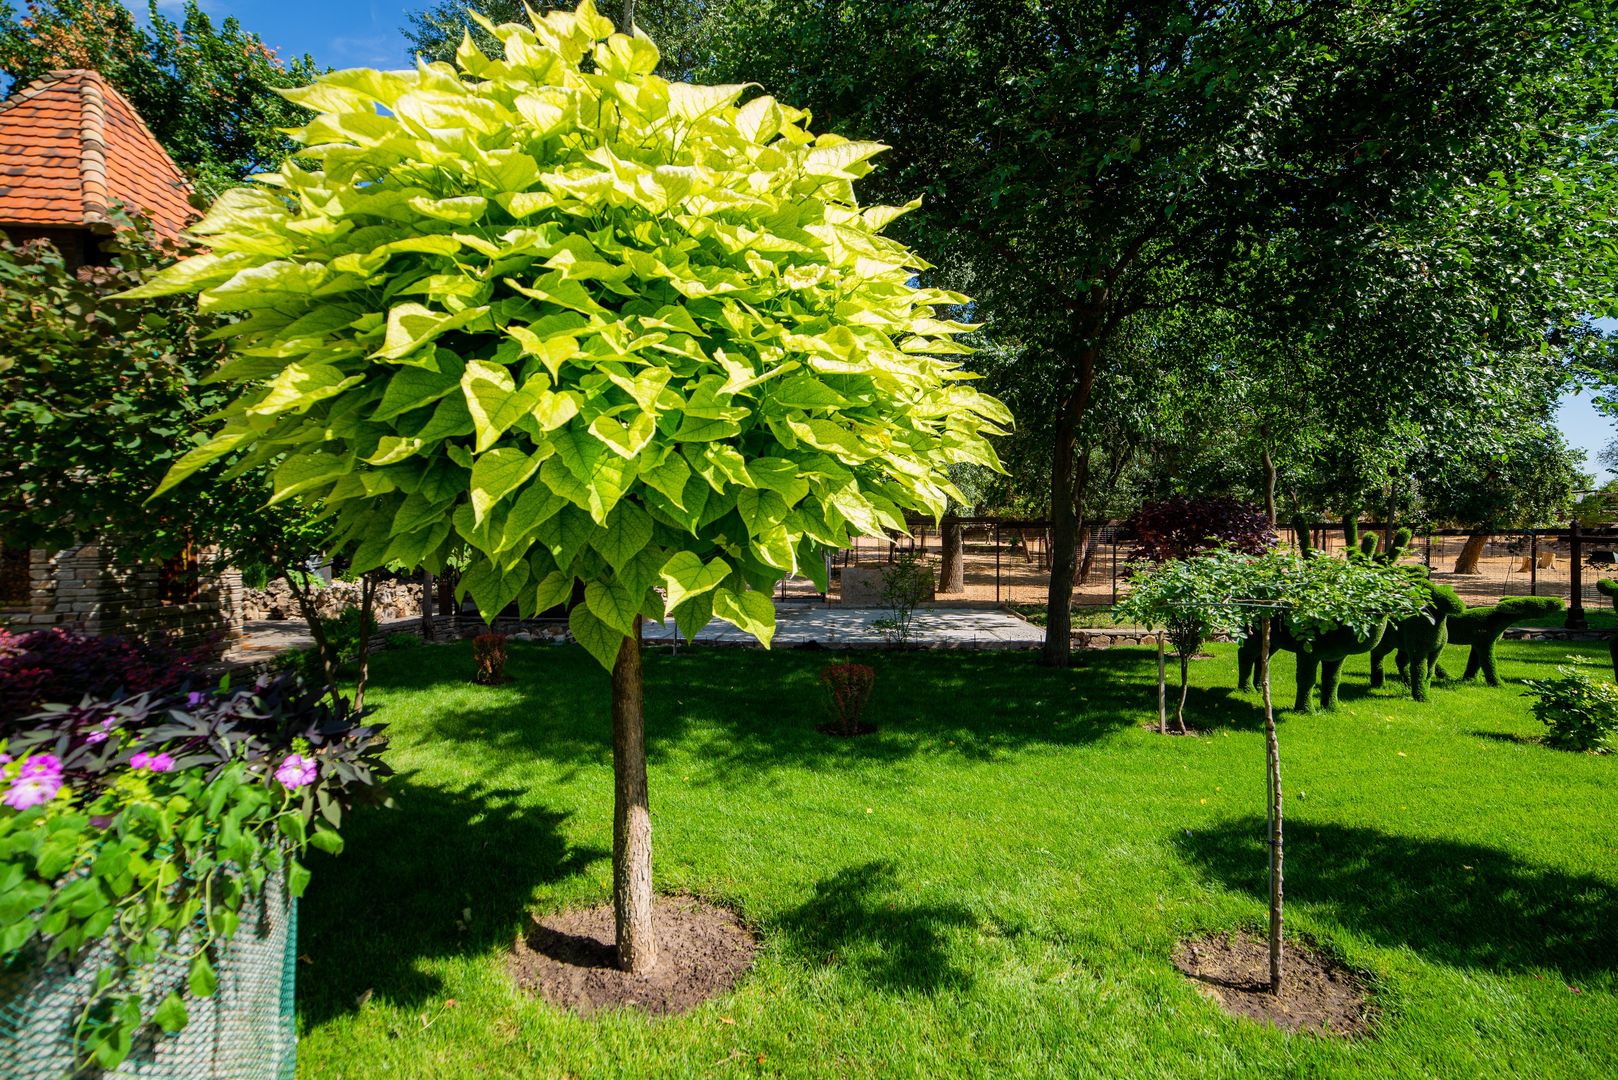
681, 28
598, 329
207, 91
1090, 163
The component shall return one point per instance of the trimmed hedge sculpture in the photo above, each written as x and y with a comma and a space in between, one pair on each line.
1323, 662
1480, 627
1608, 587
1419, 639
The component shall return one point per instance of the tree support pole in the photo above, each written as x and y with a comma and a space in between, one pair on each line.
1272, 754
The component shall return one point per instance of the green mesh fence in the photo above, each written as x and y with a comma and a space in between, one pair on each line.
245, 1031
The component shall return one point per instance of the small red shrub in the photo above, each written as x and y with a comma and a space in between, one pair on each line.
489, 654
848, 688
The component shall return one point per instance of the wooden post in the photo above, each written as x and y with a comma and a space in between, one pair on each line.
1533, 563
1162, 690
1575, 575
1272, 755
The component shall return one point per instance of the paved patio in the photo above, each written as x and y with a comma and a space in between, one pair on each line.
845, 628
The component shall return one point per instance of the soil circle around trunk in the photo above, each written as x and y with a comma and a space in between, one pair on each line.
1318, 994
569, 959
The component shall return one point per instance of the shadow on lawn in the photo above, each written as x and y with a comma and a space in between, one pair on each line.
750, 709
859, 920
443, 873
1455, 903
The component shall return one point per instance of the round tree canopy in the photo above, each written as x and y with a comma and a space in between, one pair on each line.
587, 323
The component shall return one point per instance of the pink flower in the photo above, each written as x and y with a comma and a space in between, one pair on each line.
41, 766
99, 734
6, 759
31, 791
152, 762
297, 771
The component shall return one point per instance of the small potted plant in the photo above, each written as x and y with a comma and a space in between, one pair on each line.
150, 859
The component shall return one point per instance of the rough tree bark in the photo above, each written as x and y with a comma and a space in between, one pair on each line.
952, 571
1269, 487
1471, 552
1069, 471
632, 815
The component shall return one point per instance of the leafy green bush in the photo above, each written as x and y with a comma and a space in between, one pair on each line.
1581, 711
906, 582
132, 822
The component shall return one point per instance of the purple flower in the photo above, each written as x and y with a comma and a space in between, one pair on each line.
6, 759
40, 767
297, 771
152, 762
32, 790
99, 734
195, 698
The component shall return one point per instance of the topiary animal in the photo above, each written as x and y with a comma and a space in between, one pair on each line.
1480, 627
1419, 639
1322, 661
1608, 587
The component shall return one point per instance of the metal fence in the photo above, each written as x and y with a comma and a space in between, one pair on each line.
1007, 562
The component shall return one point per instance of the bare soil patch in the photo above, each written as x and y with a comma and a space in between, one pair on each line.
1318, 994
569, 959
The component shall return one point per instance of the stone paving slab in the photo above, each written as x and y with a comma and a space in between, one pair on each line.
845, 628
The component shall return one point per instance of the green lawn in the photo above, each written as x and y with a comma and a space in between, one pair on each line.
991, 886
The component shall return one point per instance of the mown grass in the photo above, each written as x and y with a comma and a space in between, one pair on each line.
990, 886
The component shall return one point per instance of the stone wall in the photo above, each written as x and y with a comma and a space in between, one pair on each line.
84, 588
394, 600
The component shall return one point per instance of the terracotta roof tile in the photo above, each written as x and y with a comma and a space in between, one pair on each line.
71, 146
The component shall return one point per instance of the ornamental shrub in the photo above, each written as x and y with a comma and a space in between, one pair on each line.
1183, 525
133, 820
592, 324
848, 689
906, 582
1580, 711
489, 659
64, 665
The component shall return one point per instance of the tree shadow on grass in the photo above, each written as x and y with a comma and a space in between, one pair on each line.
1453, 902
746, 709
860, 920
442, 873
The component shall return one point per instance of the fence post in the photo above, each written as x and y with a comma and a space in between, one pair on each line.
1115, 566
1575, 576
1533, 562
997, 561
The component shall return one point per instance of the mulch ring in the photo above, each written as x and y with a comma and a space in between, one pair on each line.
568, 958
1318, 994
843, 733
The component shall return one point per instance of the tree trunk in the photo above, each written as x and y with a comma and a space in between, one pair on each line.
1087, 549
1269, 488
952, 572
317, 631
426, 605
628, 24
1069, 471
446, 593
1185, 684
367, 602
632, 815
1272, 754
1467, 563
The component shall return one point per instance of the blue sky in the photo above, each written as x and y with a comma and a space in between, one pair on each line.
356, 33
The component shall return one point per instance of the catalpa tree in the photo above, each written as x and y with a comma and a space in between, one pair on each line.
594, 326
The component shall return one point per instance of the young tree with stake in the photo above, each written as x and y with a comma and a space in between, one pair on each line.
596, 326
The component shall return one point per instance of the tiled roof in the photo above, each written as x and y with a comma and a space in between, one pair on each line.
71, 145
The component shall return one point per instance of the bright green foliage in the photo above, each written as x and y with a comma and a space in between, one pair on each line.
1580, 711
1193, 599
591, 324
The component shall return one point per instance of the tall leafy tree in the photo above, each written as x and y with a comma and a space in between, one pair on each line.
599, 329
208, 91
1090, 162
681, 28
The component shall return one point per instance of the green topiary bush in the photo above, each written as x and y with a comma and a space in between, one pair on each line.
1481, 627
1419, 639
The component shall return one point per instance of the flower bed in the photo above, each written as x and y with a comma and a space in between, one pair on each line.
150, 849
